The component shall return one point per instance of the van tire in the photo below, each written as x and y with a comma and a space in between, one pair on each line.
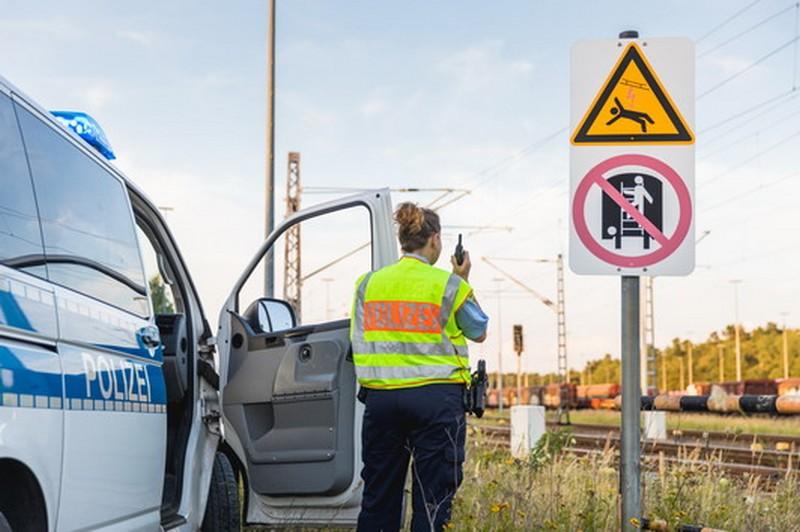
4, 526
222, 508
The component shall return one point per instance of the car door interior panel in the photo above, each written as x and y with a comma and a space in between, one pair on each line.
292, 394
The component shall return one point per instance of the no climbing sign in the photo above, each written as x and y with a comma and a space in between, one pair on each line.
632, 157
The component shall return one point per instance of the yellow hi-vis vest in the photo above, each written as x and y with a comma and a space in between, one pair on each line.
403, 328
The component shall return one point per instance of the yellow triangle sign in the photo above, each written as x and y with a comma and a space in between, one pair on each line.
632, 108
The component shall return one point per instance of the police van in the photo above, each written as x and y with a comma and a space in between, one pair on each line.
119, 409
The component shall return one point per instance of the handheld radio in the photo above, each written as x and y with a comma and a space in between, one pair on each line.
459, 254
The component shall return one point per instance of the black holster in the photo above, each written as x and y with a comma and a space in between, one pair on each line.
475, 395
362, 395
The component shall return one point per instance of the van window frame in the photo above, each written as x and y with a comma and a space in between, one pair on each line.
110, 172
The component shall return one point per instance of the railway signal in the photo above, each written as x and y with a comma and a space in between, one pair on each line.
518, 348
518, 343
559, 307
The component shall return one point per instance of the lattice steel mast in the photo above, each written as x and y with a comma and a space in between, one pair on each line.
292, 280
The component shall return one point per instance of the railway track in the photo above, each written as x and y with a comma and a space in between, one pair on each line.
708, 438
688, 436
710, 450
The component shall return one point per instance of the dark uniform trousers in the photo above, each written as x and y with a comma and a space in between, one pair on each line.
427, 423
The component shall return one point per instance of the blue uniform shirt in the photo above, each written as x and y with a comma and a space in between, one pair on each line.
470, 318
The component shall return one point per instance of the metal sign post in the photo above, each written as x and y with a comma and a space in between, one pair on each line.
631, 386
632, 192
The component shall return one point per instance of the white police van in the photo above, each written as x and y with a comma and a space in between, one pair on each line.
111, 415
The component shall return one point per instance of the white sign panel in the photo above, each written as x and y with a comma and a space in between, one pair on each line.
632, 157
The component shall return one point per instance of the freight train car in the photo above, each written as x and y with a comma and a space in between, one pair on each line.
597, 396
554, 394
750, 387
532, 395
789, 386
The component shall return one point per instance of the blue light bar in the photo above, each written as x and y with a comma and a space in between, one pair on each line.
88, 129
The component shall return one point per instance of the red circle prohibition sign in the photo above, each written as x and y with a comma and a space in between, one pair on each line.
668, 243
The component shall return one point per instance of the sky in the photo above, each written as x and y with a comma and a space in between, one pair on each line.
468, 95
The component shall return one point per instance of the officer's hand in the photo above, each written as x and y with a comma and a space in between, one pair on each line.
463, 269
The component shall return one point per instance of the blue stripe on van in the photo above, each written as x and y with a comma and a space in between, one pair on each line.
13, 315
32, 378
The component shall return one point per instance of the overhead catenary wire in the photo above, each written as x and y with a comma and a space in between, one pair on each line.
746, 69
493, 171
747, 111
750, 192
516, 208
775, 100
725, 22
740, 164
749, 135
751, 119
796, 35
771, 103
747, 30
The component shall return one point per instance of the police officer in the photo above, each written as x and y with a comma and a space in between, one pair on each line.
409, 330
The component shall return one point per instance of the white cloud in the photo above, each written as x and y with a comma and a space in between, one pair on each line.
98, 95
483, 66
373, 107
521, 66
143, 38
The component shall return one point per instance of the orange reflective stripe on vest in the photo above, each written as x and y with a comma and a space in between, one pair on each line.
401, 316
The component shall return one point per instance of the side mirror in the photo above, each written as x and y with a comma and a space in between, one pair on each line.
275, 315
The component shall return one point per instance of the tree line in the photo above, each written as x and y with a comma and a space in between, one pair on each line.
762, 358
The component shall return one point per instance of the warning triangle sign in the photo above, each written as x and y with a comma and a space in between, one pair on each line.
633, 108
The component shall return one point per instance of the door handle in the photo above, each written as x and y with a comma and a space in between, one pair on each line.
149, 336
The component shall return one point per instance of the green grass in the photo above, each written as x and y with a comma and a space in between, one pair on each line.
554, 490
551, 490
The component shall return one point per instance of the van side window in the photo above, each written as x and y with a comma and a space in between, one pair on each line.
89, 236
20, 236
162, 291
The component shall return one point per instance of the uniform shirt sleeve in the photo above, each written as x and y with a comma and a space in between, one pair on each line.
353, 306
471, 319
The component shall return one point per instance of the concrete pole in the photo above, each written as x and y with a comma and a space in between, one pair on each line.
519, 378
682, 383
690, 348
269, 187
738, 340
499, 280
785, 348
738, 355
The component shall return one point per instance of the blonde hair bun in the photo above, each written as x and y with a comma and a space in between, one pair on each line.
415, 225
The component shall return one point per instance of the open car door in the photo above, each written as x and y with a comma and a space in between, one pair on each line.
289, 389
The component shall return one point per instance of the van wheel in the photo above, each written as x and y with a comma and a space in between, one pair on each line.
222, 508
